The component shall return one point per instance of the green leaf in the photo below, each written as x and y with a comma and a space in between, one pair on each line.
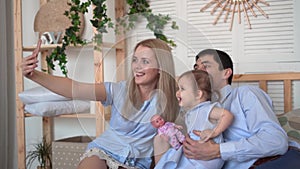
282, 120
42, 152
294, 134
101, 21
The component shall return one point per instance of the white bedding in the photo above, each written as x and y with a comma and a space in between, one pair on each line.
40, 94
42, 102
55, 108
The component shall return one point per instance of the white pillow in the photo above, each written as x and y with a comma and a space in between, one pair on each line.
58, 107
40, 94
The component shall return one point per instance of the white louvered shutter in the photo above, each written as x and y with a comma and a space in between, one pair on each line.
271, 39
202, 33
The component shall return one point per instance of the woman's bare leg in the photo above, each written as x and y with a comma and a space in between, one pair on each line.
160, 147
92, 162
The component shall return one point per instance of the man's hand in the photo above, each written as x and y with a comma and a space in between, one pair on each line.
200, 151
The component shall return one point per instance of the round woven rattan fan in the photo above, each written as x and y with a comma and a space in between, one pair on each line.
235, 6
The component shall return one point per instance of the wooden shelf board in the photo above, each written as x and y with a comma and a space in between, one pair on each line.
84, 115
53, 46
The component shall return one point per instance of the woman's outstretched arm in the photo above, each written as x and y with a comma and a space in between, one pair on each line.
61, 85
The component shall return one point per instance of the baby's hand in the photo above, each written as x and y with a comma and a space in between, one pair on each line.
179, 127
205, 135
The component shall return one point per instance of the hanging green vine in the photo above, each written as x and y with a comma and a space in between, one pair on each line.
71, 35
156, 23
102, 22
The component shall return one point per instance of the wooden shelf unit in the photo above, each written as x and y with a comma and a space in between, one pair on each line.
52, 46
99, 115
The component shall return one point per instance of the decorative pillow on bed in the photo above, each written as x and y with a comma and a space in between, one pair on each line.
291, 123
39, 94
58, 107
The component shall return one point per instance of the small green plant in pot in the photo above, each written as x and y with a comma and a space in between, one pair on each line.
42, 152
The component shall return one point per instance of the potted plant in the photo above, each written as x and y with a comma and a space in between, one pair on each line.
42, 152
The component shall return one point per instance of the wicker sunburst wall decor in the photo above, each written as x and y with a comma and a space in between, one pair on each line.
233, 7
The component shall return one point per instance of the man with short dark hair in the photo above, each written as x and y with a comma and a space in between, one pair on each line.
255, 132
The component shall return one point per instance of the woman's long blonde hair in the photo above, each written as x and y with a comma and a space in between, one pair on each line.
166, 85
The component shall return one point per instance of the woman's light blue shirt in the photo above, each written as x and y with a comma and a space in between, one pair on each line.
255, 131
123, 137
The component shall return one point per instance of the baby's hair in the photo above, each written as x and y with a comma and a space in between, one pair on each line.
202, 82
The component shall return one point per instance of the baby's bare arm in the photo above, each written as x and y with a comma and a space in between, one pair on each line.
223, 118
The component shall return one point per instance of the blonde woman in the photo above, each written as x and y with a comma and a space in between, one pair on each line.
150, 89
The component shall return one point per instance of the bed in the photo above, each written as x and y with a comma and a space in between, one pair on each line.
283, 88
